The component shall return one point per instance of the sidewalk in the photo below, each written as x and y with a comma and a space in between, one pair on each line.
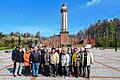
106, 67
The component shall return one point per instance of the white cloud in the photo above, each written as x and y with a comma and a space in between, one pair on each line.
93, 2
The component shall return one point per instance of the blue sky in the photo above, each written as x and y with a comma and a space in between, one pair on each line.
44, 15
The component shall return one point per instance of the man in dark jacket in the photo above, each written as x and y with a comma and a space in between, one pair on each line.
13, 57
18, 59
35, 59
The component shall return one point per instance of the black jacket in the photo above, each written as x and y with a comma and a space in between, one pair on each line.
35, 57
19, 56
14, 54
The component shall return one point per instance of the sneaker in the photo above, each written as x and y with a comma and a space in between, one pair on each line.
14, 75
76, 76
33, 75
36, 78
19, 74
84, 76
88, 77
54, 75
36, 75
81, 75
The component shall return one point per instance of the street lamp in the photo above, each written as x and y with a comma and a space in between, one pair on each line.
115, 39
19, 40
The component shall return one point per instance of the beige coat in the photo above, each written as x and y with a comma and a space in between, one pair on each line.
90, 59
54, 58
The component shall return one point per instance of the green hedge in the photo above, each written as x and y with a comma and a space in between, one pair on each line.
5, 48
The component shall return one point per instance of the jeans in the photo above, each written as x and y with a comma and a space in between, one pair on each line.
65, 71
18, 68
35, 68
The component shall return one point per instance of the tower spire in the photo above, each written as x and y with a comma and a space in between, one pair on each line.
64, 23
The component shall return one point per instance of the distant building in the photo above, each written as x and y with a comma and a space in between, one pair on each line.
90, 40
64, 38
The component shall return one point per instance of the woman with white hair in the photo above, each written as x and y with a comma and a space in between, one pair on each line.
65, 62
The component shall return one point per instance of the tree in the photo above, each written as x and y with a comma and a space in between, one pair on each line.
105, 32
37, 35
1, 35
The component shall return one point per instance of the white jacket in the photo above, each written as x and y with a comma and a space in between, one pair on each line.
90, 59
65, 58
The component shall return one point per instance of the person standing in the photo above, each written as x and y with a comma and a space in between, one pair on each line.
19, 60
74, 63
43, 51
54, 60
79, 61
14, 52
87, 60
65, 63
27, 61
35, 59
47, 62
69, 52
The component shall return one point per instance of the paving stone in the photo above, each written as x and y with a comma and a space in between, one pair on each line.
106, 67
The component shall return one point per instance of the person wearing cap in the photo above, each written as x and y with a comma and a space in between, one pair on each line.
65, 63
54, 60
74, 61
87, 60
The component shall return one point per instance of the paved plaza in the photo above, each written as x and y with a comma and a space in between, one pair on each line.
105, 67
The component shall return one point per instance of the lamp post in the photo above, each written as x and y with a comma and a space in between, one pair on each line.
19, 40
115, 39
12, 42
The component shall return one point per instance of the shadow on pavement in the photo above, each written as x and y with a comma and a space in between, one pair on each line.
10, 70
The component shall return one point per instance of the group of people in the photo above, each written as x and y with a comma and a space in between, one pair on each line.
53, 61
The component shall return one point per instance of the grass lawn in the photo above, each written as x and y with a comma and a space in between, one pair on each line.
5, 48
